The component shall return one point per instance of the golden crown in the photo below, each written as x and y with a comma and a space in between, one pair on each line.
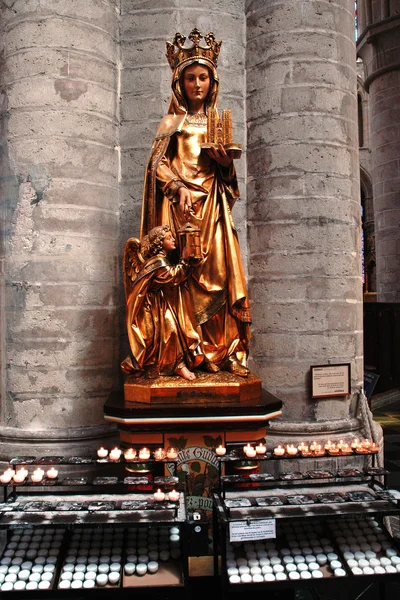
177, 54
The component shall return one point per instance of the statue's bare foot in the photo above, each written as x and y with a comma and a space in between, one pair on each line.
185, 373
237, 369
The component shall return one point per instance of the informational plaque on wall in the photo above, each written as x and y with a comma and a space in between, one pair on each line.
330, 380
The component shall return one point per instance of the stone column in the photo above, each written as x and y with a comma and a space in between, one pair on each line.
59, 205
304, 207
379, 47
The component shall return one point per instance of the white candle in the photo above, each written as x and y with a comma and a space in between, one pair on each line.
174, 495
144, 453
37, 475
102, 452
160, 454
172, 453
5, 477
130, 454
52, 473
115, 454
220, 450
291, 449
159, 495
20, 475
279, 450
250, 452
261, 448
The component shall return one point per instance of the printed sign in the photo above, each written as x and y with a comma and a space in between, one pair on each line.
243, 531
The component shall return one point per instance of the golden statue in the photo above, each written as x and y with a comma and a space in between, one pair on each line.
188, 184
162, 336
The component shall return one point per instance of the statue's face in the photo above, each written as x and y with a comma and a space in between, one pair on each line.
169, 243
196, 85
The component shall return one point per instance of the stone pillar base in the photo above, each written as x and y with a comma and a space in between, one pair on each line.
79, 441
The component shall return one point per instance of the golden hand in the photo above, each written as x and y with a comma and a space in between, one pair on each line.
185, 201
220, 156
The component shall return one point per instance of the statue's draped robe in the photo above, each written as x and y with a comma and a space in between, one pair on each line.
160, 327
217, 287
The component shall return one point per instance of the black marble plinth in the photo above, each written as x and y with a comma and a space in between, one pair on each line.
190, 417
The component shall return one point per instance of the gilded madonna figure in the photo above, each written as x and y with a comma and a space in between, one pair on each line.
187, 184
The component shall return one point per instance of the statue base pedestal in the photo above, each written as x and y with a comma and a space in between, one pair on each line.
218, 388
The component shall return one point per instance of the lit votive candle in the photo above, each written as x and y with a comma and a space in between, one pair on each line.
313, 445
291, 449
160, 454
302, 446
102, 452
346, 448
52, 473
130, 454
144, 453
220, 450
20, 475
355, 443
115, 454
279, 450
249, 451
366, 443
333, 449
37, 475
159, 495
172, 453
5, 477
328, 444
374, 447
261, 448
173, 495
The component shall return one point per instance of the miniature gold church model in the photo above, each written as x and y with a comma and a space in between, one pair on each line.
220, 131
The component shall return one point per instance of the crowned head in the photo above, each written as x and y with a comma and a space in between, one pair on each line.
181, 57
178, 55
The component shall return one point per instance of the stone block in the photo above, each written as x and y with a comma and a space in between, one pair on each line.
143, 52
56, 32
46, 354
137, 133
282, 43
77, 409
322, 264
306, 288
154, 79
66, 322
47, 93
63, 123
270, 206
386, 152
324, 346
66, 158
34, 296
272, 345
162, 19
136, 107
59, 62
133, 162
275, 128
309, 235
291, 16
81, 193
98, 14
74, 269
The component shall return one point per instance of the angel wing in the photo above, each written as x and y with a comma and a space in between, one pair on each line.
132, 262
